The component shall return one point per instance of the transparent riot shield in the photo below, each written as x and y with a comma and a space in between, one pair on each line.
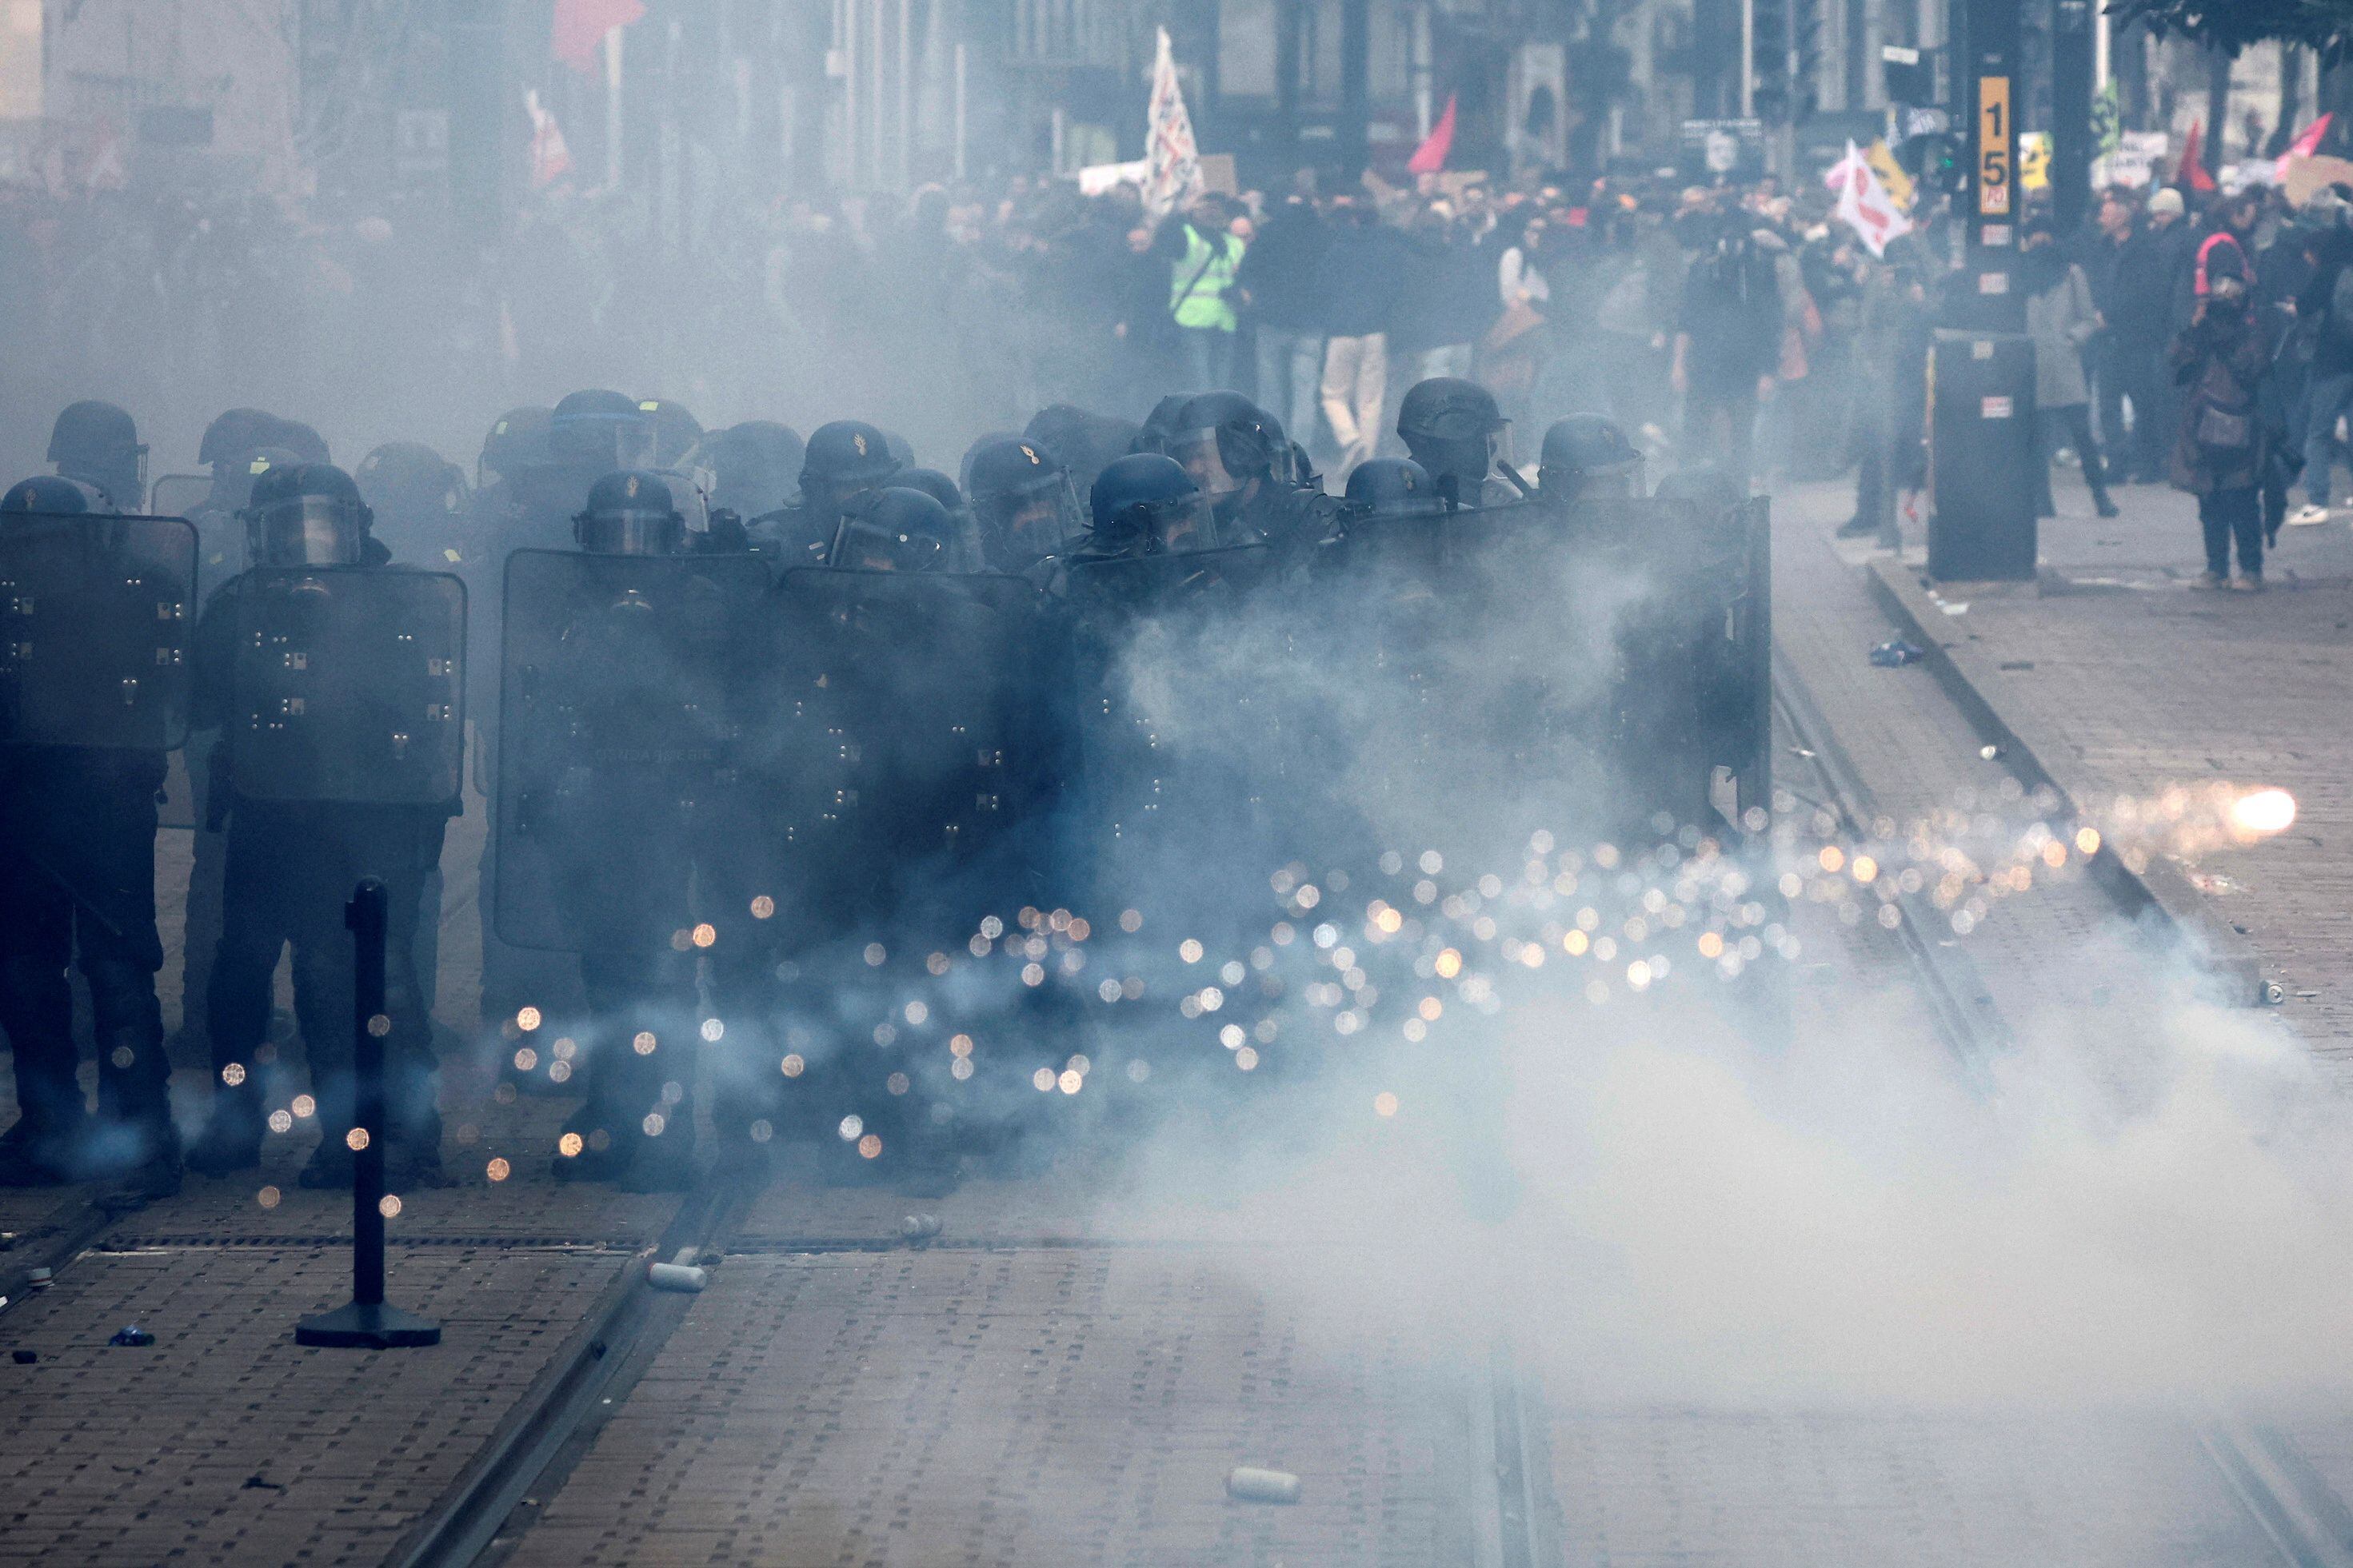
617, 740
894, 748
94, 629
346, 683
177, 495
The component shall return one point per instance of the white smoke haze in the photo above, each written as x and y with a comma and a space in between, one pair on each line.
2127, 1219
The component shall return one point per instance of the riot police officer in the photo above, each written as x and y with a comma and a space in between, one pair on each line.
843, 458
676, 432
1390, 487
1239, 455
638, 982
1081, 442
1587, 454
1146, 504
292, 865
423, 510
1022, 503
900, 529
1453, 429
78, 886
753, 465
98, 444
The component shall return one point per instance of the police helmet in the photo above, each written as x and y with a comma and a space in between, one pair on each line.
1225, 441
600, 430
1448, 409
844, 457
1022, 503
753, 465
409, 480
675, 430
98, 443
1390, 487
1080, 441
932, 483
631, 512
54, 495
519, 440
1587, 454
894, 529
299, 438
1146, 504
233, 434
306, 514
1160, 427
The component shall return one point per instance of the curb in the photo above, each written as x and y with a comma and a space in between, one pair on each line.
2159, 891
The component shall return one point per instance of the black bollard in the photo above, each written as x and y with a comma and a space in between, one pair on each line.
367, 1321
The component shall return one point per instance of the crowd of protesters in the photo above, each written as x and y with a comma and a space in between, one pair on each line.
1737, 323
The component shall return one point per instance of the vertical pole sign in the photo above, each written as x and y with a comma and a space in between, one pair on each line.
1981, 416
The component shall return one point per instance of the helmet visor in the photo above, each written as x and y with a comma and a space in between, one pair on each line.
304, 530
1030, 523
1184, 524
631, 532
1197, 450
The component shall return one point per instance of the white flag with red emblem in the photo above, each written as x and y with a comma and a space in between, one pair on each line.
550, 158
1863, 204
1168, 140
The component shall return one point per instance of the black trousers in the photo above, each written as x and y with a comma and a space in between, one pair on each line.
290, 870
2232, 516
2071, 423
1720, 423
78, 887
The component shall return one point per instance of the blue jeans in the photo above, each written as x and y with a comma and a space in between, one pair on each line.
1289, 372
2327, 397
1208, 357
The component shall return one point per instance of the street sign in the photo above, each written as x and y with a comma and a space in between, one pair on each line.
1997, 169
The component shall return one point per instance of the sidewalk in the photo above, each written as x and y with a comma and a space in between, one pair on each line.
2119, 676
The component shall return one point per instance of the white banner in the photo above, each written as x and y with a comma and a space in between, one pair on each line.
1176, 161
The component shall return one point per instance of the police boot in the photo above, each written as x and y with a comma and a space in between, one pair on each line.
412, 1162
231, 1139
329, 1166
42, 1152
663, 1163
153, 1168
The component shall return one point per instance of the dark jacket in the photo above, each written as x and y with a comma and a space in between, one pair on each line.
2220, 360
1279, 269
1448, 293
1732, 311
2153, 263
1360, 279
2332, 341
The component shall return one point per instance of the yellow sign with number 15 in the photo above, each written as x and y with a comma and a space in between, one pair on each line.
1994, 160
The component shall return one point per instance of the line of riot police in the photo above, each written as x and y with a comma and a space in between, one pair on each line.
773, 729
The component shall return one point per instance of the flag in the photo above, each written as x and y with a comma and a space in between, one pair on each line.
1863, 204
1168, 139
550, 158
2190, 171
2307, 142
1891, 173
581, 25
1430, 156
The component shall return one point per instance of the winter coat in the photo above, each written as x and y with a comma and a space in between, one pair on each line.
2062, 320
2219, 360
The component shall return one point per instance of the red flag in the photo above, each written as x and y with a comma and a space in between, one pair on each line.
581, 26
1430, 156
2190, 171
2307, 142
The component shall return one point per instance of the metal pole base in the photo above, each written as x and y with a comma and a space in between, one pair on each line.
360, 1325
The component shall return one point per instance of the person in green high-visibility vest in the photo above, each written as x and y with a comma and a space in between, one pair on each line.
1203, 256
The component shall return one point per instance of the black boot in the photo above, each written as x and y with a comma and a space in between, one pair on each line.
231, 1139
36, 1155
154, 1170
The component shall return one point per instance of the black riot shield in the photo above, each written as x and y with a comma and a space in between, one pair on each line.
94, 628
220, 538
894, 747
347, 683
616, 740
1188, 740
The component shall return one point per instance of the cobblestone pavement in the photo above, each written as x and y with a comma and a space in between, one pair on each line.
2125, 677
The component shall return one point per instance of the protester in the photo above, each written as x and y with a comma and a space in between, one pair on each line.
1362, 274
2061, 319
2219, 450
1278, 277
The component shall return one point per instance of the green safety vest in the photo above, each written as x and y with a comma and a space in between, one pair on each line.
1199, 284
